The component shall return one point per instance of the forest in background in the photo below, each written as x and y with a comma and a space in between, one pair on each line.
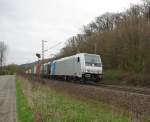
122, 39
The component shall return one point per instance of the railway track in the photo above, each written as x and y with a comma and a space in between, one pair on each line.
139, 90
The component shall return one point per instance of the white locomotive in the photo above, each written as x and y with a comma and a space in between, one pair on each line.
80, 66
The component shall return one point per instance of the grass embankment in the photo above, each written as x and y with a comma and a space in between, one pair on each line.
24, 112
49, 105
58, 107
52, 106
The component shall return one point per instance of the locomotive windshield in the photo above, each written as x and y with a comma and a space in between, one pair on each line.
92, 60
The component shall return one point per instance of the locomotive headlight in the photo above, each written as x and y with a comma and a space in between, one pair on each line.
87, 70
99, 72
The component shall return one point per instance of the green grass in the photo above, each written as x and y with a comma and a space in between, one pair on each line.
58, 107
24, 112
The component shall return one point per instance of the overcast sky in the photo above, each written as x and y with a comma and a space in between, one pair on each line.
24, 23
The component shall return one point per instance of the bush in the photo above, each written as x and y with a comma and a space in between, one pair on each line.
126, 78
112, 75
3, 72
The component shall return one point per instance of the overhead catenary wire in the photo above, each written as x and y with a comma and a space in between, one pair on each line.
53, 46
43, 51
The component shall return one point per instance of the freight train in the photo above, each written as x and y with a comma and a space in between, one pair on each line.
82, 66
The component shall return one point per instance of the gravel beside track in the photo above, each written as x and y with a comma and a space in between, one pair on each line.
140, 90
144, 91
7, 99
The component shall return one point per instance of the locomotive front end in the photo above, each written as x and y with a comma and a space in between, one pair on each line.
92, 67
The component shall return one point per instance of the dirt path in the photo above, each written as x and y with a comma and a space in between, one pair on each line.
7, 99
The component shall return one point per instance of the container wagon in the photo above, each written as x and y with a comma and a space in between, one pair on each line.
47, 70
80, 66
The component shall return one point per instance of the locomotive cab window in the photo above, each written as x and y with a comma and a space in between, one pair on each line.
78, 60
92, 60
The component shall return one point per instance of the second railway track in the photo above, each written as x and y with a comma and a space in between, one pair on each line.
139, 90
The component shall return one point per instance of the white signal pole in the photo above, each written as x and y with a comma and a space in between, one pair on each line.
43, 56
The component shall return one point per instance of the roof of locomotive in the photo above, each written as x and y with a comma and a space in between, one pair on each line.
76, 55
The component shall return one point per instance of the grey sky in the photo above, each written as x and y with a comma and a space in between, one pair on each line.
24, 23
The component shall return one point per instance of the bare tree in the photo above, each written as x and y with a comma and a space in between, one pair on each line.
147, 10
122, 39
3, 49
